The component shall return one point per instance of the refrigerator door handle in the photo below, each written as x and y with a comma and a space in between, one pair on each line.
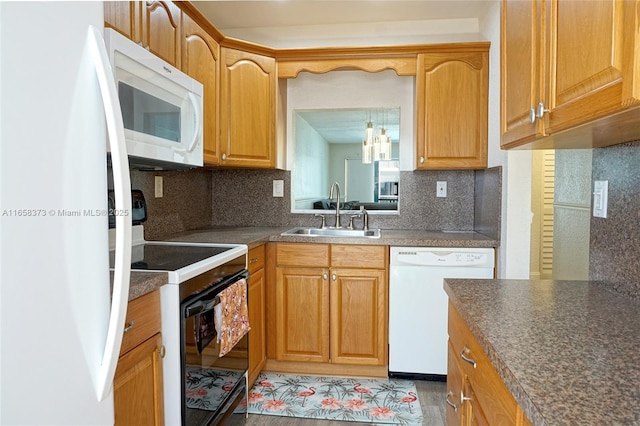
122, 192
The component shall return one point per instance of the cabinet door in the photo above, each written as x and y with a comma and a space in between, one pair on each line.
358, 317
452, 95
522, 71
257, 344
200, 59
302, 314
137, 386
247, 109
586, 72
123, 16
455, 381
160, 31
476, 416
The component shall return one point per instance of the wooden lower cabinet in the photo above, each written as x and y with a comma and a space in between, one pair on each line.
256, 290
137, 386
473, 385
331, 309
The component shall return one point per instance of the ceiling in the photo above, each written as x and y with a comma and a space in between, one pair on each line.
307, 23
314, 23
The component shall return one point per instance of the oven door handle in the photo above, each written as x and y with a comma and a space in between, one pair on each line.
122, 191
199, 308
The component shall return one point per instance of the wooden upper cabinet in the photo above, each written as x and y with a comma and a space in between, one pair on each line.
522, 64
247, 109
160, 31
153, 24
452, 98
200, 59
123, 16
568, 69
586, 61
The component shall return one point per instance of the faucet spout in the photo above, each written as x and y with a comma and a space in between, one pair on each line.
336, 186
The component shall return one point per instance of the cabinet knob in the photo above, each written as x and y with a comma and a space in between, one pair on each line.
464, 398
334, 277
162, 351
129, 326
451, 404
421, 160
224, 156
541, 110
325, 276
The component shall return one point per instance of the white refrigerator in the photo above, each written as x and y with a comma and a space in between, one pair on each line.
60, 324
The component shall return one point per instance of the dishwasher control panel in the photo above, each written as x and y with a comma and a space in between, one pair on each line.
440, 256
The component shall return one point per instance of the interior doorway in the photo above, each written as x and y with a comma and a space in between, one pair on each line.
542, 196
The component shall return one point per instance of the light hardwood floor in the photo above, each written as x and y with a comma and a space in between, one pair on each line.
432, 401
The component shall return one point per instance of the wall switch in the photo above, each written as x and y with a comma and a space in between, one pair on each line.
441, 189
600, 198
278, 188
159, 189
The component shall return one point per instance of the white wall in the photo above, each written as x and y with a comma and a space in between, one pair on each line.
354, 89
514, 250
313, 159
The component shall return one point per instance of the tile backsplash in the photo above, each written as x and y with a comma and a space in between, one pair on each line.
204, 198
185, 204
614, 251
244, 198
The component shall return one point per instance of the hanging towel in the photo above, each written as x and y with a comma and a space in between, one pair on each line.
232, 316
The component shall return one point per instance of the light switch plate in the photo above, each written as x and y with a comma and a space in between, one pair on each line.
158, 187
278, 188
600, 198
441, 189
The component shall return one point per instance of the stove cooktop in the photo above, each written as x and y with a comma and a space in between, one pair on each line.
171, 257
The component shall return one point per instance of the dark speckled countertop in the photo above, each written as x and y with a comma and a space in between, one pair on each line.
567, 350
253, 236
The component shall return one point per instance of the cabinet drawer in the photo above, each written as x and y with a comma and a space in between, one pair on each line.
498, 404
255, 259
355, 256
144, 313
291, 254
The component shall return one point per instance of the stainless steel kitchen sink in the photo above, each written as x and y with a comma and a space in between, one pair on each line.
332, 232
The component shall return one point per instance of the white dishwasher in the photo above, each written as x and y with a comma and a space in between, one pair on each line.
418, 305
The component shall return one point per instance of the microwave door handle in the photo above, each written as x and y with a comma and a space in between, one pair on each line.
122, 192
198, 124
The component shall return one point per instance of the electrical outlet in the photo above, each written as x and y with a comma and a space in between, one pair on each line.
278, 188
158, 189
441, 189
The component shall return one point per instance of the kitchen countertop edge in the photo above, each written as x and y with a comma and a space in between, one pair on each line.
254, 236
564, 349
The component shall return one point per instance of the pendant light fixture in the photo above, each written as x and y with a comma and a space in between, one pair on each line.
375, 148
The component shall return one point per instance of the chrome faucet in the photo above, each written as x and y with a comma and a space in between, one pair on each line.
335, 185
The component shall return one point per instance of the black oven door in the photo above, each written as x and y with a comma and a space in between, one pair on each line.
213, 387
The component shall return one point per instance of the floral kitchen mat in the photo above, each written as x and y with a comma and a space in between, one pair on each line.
377, 401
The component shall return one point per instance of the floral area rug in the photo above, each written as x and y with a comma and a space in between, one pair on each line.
332, 398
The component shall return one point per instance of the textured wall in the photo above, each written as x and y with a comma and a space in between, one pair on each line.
488, 201
186, 203
615, 241
243, 198
572, 212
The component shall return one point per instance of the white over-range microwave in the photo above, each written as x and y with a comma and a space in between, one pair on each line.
161, 107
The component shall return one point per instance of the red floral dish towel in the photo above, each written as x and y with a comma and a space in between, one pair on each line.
232, 316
